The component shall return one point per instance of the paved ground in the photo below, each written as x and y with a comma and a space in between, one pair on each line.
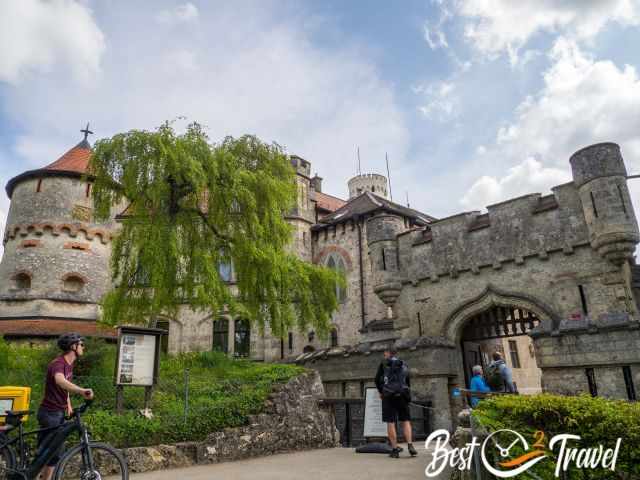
329, 464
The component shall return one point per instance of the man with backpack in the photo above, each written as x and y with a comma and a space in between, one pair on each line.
393, 383
499, 376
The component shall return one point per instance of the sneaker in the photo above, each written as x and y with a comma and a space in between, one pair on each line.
412, 451
395, 453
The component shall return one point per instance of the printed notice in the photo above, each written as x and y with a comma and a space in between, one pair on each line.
137, 359
373, 424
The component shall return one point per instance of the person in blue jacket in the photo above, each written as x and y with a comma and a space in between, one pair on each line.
478, 384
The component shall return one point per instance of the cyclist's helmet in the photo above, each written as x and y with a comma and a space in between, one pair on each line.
66, 341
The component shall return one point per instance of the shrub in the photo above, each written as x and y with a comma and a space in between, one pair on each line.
596, 420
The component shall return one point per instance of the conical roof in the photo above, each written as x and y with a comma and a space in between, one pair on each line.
75, 160
73, 163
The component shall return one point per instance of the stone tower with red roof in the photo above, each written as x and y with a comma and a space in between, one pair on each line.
55, 266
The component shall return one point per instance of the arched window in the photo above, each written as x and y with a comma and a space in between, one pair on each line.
334, 337
73, 283
242, 338
226, 271
336, 262
22, 281
221, 335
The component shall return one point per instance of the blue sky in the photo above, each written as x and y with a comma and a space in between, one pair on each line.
475, 101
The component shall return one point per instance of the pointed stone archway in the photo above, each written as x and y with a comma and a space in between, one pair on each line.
500, 321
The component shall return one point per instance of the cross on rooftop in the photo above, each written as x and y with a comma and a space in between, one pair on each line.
86, 131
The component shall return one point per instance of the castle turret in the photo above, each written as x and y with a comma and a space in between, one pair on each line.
382, 230
368, 182
55, 266
601, 177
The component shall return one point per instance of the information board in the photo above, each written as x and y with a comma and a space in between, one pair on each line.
136, 358
373, 424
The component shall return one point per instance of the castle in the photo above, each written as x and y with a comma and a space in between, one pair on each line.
549, 280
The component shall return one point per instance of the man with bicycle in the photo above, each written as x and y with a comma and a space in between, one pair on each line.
56, 401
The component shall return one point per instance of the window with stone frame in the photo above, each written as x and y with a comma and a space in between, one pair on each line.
336, 262
242, 338
334, 337
221, 335
164, 338
21, 281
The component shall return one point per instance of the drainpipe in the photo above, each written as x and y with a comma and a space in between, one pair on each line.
362, 309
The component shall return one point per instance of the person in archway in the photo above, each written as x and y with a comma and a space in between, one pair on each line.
477, 384
393, 383
499, 376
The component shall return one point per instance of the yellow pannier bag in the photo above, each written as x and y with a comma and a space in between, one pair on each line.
14, 398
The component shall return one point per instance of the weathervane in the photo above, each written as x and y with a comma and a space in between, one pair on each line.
86, 131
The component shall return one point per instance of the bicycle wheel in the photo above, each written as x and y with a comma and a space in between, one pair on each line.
7, 462
108, 463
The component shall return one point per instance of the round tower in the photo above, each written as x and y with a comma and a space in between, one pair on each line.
55, 266
601, 177
368, 182
382, 230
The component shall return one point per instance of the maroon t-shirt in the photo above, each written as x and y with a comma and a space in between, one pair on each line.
55, 397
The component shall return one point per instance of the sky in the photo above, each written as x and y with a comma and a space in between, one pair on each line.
473, 101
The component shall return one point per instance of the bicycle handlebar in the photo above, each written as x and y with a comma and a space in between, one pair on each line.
81, 409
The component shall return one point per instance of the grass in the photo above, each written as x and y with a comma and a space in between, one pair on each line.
222, 392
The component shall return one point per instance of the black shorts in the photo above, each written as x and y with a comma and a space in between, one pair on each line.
47, 419
395, 409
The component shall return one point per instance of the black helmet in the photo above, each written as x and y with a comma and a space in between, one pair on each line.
67, 340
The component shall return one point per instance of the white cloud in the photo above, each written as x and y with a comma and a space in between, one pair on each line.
441, 101
528, 177
185, 13
498, 26
583, 101
434, 30
39, 36
242, 68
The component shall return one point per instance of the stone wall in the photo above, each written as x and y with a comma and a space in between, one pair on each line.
292, 420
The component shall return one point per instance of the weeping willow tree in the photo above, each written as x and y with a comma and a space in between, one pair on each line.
193, 206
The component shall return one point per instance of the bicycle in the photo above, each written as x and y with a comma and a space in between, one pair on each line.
87, 460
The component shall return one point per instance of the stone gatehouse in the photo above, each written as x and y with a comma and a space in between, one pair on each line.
549, 280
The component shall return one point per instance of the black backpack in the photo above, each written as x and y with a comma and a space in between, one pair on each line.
395, 379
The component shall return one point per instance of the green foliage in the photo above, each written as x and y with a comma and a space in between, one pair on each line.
222, 392
596, 420
193, 206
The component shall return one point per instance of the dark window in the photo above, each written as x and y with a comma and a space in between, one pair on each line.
22, 281
308, 349
290, 341
334, 337
164, 339
362, 389
344, 389
628, 381
221, 335
624, 205
384, 261
583, 300
591, 380
593, 204
311, 336
242, 338
39, 185
419, 325
88, 190
513, 351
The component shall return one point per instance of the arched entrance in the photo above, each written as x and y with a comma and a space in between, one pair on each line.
502, 329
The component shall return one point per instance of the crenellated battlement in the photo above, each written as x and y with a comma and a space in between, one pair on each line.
530, 226
72, 230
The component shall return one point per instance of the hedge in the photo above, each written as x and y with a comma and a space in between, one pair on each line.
596, 420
